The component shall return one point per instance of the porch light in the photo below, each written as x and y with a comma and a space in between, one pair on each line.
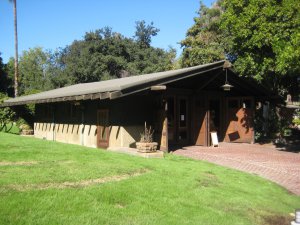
226, 86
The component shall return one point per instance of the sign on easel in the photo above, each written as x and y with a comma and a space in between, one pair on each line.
214, 139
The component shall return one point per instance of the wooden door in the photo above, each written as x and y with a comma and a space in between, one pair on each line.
201, 122
178, 120
240, 114
102, 128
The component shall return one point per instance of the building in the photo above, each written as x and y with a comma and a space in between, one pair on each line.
183, 106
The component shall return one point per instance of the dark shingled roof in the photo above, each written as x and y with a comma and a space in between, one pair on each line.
112, 88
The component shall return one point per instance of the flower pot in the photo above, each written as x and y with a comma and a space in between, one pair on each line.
27, 132
146, 147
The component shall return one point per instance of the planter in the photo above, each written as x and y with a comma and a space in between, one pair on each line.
146, 146
27, 132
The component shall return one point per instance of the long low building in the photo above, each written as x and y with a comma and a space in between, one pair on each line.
183, 106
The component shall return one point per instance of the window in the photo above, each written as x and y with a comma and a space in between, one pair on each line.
170, 113
182, 112
47, 111
247, 104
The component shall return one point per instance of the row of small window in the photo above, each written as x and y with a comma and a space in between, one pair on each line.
69, 111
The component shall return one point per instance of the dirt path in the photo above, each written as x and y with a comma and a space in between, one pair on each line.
76, 184
20, 163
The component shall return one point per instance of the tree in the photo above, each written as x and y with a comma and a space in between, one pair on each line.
104, 54
144, 33
5, 79
7, 115
34, 71
265, 39
204, 42
16, 47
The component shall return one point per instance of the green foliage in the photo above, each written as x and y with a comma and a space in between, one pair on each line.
296, 119
34, 71
104, 54
23, 124
6, 81
7, 116
204, 42
274, 126
265, 38
144, 33
10, 73
101, 55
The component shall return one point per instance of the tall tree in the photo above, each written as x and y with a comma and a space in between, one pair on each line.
34, 71
16, 47
144, 33
204, 42
104, 54
4, 81
265, 39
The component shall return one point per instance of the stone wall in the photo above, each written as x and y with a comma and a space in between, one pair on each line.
67, 133
120, 136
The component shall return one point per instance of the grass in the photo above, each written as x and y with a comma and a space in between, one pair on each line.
173, 190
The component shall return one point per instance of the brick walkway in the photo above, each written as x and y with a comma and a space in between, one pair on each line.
281, 167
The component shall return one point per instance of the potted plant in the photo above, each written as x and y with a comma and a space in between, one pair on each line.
24, 127
146, 143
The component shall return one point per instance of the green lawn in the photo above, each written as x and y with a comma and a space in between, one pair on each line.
43, 182
10, 128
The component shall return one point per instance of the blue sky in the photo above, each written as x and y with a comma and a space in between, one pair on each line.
52, 23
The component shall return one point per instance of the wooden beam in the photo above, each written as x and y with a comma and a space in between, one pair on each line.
80, 97
70, 98
208, 81
115, 94
104, 95
95, 96
87, 96
158, 88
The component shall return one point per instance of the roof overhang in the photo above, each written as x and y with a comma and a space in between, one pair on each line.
112, 89
116, 88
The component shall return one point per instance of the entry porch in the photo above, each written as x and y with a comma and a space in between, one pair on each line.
192, 108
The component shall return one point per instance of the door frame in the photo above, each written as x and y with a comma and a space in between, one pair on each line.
103, 143
185, 128
176, 120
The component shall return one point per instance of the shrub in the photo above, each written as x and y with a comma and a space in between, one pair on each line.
147, 135
7, 116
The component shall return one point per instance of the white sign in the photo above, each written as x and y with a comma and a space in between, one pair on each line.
214, 139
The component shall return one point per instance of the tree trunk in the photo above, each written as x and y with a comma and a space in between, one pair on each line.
16, 49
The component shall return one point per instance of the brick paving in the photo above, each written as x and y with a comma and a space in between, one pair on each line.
278, 166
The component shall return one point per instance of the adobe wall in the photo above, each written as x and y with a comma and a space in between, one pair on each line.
86, 135
67, 133
126, 119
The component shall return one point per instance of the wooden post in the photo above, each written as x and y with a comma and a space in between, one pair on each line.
164, 131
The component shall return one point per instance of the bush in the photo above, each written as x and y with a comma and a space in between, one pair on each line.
7, 116
296, 119
23, 125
